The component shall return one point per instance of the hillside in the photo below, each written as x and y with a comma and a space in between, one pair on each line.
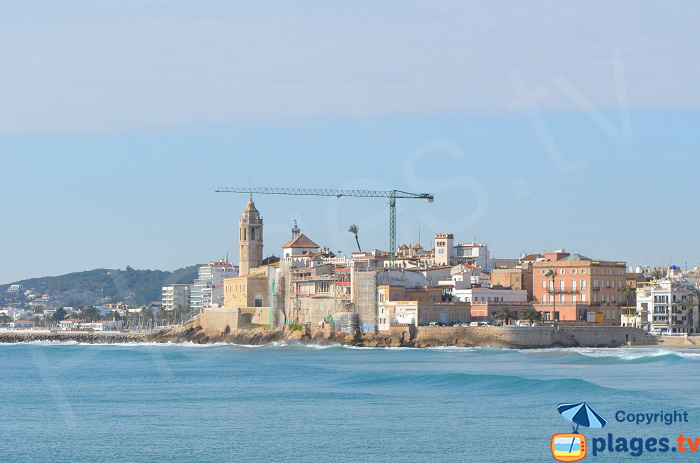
135, 287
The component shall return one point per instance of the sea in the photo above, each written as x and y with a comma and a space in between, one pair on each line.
69, 402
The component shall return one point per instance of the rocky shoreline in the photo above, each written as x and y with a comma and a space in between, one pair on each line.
407, 336
421, 337
261, 336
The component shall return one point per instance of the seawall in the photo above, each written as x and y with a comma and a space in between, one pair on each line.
74, 336
410, 336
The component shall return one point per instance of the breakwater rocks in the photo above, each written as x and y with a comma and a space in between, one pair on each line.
410, 336
71, 336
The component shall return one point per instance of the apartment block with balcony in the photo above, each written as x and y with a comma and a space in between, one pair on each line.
663, 307
176, 296
583, 290
208, 288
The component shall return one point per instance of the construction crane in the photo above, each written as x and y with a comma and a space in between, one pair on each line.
393, 195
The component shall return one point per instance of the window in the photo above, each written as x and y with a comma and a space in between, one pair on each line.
562, 285
544, 284
583, 297
573, 298
583, 284
562, 298
562, 271
573, 270
252, 234
583, 270
544, 298
573, 285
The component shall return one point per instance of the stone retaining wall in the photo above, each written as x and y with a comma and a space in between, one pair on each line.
531, 337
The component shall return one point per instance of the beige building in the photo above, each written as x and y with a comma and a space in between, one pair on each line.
392, 313
246, 291
513, 278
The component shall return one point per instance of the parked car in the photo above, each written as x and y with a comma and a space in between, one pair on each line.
432, 324
484, 324
474, 324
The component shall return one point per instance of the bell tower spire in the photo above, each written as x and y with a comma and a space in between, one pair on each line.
250, 238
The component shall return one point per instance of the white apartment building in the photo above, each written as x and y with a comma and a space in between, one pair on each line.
176, 295
465, 286
448, 253
662, 307
208, 288
14, 289
489, 295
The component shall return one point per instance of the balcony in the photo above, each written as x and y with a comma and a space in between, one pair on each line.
596, 288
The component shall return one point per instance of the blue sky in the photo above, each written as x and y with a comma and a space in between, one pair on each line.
121, 118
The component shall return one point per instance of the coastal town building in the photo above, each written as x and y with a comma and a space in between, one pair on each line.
447, 253
173, 296
14, 289
21, 324
666, 306
517, 278
582, 290
244, 291
208, 288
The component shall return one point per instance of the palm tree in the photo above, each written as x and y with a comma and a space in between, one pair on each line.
657, 274
627, 291
690, 302
505, 316
551, 273
531, 315
354, 229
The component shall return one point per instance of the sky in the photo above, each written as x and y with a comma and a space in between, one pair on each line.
537, 126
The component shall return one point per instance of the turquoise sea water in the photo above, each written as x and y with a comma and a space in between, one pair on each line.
180, 403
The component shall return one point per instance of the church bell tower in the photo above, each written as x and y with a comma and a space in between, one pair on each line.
250, 239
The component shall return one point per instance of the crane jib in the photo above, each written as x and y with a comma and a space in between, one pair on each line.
393, 195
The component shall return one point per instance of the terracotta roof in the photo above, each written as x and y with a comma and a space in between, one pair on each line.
417, 246
403, 246
301, 241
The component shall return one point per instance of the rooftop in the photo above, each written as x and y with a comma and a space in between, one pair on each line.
574, 258
301, 241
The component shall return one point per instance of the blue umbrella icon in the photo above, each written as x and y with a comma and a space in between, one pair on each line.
582, 415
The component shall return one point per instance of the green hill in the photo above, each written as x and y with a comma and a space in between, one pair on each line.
135, 287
